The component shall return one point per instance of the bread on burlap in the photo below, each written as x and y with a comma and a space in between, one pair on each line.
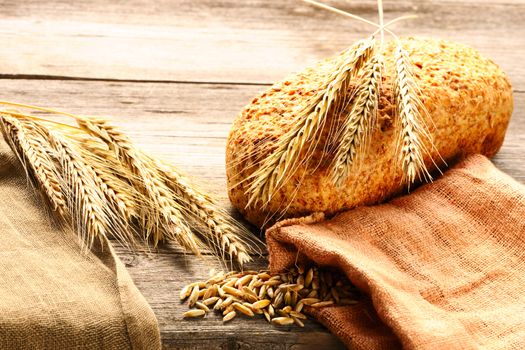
443, 267
468, 97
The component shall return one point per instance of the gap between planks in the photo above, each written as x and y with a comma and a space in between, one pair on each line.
116, 80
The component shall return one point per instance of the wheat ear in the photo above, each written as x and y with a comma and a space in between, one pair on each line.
222, 234
412, 128
85, 201
310, 121
163, 217
358, 125
76, 189
114, 178
33, 152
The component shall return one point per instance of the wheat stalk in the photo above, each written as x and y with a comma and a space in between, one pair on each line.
173, 191
84, 198
164, 217
110, 186
34, 154
357, 127
70, 184
114, 178
223, 234
413, 131
310, 121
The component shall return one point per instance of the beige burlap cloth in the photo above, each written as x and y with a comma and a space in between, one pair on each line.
53, 296
443, 267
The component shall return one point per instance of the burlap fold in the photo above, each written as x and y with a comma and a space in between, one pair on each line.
443, 267
53, 295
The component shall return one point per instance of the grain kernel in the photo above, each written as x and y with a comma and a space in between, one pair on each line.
282, 321
194, 313
229, 316
261, 304
242, 308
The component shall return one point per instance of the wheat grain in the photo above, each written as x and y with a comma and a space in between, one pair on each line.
297, 321
229, 316
413, 132
194, 295
227, 310
233, 291
218, 305
357, 127
185, 292
323, 303
210, 301
194, 313
243, 309
210, 292
282, 321
285, 159
298, 314
261, 304
202, 306
242, 293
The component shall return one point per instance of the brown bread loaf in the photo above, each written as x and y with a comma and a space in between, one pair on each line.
467, 96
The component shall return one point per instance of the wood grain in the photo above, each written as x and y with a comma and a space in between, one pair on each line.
175, 74
230, 41
160, 277
187, 124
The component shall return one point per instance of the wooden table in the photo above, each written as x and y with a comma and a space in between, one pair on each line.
175, 73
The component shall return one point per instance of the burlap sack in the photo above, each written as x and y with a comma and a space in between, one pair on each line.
53, 296
443, 267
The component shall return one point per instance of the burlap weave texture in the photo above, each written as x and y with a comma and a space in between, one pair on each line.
52, 294
443, 267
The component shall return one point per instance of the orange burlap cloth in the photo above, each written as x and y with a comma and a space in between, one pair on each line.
442, 268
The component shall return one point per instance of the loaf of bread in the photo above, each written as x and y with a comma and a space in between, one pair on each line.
468, 97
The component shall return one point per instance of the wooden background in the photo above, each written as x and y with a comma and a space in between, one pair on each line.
175, 73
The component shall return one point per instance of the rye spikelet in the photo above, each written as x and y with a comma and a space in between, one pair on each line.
163, 217
33, 151
413, 132
358, 126
311, 119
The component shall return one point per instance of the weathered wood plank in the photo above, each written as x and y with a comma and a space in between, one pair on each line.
161, 275
188, 123
227, 40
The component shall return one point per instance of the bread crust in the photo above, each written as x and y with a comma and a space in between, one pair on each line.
467, 96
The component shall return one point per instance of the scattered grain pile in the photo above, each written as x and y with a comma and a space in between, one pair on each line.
280, 298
